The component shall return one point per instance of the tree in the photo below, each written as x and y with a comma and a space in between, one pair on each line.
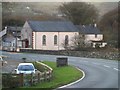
109, 26
79, 12
78, 42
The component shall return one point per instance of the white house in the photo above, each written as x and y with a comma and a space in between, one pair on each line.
47, 35
92, 35
11, 38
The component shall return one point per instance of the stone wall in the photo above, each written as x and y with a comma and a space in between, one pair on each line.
88, 54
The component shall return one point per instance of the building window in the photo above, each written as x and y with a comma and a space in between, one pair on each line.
44, 40
55, 40
95, 35
66, 40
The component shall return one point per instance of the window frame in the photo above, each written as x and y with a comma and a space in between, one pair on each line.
66, 40
95, 35
55, 40
44, 40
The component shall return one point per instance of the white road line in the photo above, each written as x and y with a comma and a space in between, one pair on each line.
106, 66
96, 63
75, 81
115, 69
85, 61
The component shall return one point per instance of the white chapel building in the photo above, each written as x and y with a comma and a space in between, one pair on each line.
47, 35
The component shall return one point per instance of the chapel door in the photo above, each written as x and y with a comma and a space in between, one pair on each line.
26, 44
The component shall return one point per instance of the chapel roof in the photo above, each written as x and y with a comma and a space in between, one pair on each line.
52, 26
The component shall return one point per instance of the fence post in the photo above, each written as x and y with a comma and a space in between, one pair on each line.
38, 77
45, 76
2, 63
49, 76
21, 79
31, 81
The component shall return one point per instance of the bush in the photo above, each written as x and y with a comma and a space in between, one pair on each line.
8, 81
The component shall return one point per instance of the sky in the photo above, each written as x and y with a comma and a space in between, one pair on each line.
59, 0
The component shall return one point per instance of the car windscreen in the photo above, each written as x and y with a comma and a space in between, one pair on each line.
25, 68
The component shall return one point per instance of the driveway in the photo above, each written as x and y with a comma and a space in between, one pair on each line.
99, 73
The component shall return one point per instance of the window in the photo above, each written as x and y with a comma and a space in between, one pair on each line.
95, 35
55, 40
66, 40
44, 40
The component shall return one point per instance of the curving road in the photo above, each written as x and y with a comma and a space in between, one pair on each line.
99, 73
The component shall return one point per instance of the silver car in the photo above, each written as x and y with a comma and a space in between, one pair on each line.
25, 68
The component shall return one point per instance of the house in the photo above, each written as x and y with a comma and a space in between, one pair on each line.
92, 35
47, 35
11, 40
2, 33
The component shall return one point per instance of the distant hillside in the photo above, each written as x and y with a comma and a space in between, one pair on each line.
52, 7
105, 7
42, 11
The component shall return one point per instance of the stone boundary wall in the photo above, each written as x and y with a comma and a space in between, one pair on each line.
88, 54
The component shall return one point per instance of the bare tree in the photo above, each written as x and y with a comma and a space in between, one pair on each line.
78, 42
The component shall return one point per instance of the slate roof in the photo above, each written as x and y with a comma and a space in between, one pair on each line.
88, 29
16, 30
52, 26
8, 38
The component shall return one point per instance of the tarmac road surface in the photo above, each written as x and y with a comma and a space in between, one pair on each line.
99, 73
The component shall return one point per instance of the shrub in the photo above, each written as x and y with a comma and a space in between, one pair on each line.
10, 81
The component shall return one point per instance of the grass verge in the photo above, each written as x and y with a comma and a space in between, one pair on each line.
61, 76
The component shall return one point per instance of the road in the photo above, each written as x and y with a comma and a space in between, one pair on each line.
99, 73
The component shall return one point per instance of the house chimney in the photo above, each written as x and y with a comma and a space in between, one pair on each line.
95, 25
83, 25
6, 27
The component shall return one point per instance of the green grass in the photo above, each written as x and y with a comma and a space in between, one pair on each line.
61, 76
40, 67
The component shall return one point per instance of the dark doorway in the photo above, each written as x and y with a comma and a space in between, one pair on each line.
26, 44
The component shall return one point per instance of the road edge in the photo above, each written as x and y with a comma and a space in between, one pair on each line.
74, 81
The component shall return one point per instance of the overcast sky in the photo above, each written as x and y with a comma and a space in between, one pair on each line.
59, 0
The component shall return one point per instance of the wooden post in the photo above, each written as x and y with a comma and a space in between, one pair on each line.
48, 75
38, 77
21, 79
2, 63
31, 81
45, 76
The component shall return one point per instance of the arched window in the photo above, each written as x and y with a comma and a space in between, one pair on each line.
55, 40
66, 40
44, 40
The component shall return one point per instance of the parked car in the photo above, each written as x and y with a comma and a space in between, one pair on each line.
25, 68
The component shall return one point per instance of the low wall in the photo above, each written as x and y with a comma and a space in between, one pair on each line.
83, 53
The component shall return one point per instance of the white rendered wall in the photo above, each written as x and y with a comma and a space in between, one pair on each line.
91, 37
37, 40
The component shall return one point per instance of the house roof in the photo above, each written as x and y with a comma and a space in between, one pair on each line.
8, 38
15, 31
52, 26
11, 28
88, 29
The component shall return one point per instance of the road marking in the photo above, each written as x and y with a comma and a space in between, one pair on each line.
85, 61
75, 81
115, 69
106, 66
96, 63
